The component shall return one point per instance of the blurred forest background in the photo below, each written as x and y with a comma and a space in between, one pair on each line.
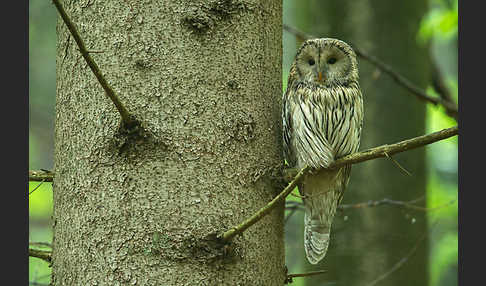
434, 26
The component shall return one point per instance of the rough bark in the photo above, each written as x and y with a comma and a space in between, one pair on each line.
204, 78
366, 243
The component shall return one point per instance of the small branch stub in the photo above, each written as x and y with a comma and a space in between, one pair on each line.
41, 254
290, 277
41, 175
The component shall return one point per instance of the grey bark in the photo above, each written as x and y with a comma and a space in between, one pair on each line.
366, 243
204, 77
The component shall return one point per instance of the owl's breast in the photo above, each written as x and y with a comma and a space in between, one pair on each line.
326, 124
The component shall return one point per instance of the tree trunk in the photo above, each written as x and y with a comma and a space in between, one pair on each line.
204, 78
367, 243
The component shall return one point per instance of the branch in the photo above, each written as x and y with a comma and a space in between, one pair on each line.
381, 151
387, 150
128, 120
41, 254
36, 187
302, 36
347, 160
407, 205
230, 234
294, 206
40, 175
441, 88
290, 277
450, 107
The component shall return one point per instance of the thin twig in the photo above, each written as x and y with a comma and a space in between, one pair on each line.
370, 154
37, 186
440, 87
290, 277
129, 120
450, 107
302, 36
398, 165
42, 254
294, 206
40, 175
408, 205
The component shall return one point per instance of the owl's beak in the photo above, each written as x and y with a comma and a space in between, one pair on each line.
320, 76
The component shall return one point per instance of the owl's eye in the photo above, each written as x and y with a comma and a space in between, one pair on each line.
312, 62
331, 61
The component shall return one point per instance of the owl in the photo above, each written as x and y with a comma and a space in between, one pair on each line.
322, 121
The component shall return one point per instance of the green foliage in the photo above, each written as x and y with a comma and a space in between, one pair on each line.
40, 201
440, 22
444, 256
442, 193
40, 211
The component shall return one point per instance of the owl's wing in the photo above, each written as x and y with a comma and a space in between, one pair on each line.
306, 124
287, 130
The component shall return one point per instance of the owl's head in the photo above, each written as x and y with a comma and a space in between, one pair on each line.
326, 61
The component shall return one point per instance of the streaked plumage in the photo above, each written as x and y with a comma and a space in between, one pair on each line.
322, 121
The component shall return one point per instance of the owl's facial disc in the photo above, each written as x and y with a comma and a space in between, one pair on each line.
324, 63
333, 65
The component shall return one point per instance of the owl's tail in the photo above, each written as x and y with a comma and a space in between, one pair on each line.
320, 207
316, 237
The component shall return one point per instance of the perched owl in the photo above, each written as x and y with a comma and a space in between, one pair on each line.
322, 121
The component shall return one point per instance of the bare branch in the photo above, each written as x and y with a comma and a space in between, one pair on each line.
302, 36
440, 87
230, 234
379, 152
408, 205
398, 164
290, 277
128, 119
40, 175
36, 187
386, 150
450, 107
41, 254
294, 206
370, 154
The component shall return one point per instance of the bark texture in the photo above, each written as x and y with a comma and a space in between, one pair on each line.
204, 78
366, 243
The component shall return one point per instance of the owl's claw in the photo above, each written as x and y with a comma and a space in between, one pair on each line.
289, 174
